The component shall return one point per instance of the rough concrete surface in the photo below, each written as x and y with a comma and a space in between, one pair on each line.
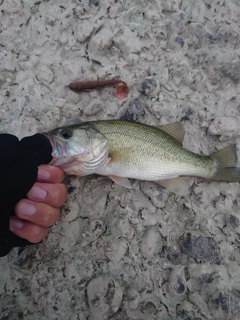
115, 253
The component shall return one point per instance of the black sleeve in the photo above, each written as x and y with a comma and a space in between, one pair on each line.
18, 173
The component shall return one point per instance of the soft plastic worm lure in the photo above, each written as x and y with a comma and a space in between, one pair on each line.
121, 90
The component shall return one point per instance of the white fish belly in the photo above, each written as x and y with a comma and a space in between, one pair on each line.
152, 172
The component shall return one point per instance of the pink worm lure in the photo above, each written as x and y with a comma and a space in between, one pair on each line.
121, 90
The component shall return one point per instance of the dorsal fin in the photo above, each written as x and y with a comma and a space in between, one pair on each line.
175, 130
72, 121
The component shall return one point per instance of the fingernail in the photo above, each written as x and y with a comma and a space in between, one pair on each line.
43, 174
15, 224
26, 209
38, 193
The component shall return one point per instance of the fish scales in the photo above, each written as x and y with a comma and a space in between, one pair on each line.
150, 151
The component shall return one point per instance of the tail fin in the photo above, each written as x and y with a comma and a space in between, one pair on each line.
226, 161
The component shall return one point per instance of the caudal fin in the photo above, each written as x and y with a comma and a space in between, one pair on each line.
226, 161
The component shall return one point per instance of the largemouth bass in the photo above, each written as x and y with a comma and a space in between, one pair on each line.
123, 149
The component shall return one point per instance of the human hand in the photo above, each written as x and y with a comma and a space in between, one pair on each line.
40, 209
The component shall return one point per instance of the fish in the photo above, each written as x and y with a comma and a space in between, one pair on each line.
123, 149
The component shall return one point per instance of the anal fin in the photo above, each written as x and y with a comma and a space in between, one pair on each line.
176, 185
124, 182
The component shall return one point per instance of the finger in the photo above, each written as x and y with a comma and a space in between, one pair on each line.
53, 194
48, 173
37, 212
28, 230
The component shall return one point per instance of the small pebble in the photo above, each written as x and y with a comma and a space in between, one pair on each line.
149, 87
176, 42
173, 253
233, 220
104, 297
232, 70
164, 76
101, 42
171, 6
188, 311
94, 3
199, 247
152, 243
116, 250
45, 75
155, 192
226, 126
128, 42
177, 281
83, 30
93, 108
152, 16
134, 111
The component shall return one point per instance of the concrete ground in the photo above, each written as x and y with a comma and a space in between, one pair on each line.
115, 253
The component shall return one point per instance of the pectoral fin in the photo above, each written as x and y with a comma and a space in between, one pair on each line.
124, 182
176, 185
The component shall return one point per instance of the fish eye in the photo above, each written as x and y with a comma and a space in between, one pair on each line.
66, 133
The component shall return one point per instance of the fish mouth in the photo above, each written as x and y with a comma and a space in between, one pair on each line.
59, 149
50, 138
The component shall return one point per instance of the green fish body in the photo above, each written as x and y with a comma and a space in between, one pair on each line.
123, 149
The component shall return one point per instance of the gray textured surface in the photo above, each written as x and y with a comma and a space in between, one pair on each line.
143, 253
